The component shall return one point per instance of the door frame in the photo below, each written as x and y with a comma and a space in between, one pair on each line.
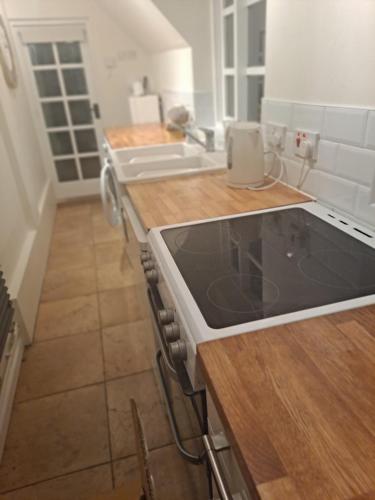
69, 189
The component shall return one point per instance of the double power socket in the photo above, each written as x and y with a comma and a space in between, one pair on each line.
305, 142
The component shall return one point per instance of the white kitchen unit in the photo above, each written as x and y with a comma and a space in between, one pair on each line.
145, 109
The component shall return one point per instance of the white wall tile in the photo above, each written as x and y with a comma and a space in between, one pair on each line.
370, 132
292, 172
363, 210
308, 117
327, 155
330, 189
345, 125
289, 145
277, 111
356, 164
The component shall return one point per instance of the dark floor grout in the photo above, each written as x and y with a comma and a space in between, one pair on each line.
103, 356
59, 476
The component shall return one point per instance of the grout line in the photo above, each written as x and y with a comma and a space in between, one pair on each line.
57, 393
77, 388
103, 360
59, 476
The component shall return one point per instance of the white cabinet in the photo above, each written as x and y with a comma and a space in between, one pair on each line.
144, 109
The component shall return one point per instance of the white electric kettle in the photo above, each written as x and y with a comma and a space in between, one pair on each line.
245, 154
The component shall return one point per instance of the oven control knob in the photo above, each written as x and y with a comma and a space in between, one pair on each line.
171, 332
145, 256
166, 316
152, 276
178, 350
148, 265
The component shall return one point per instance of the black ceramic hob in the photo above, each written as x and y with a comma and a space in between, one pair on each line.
257, 266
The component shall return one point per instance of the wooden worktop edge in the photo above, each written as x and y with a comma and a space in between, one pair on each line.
228, 430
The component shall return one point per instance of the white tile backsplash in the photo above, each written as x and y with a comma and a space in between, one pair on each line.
289, 145
370, 133
331, 189
278, 112
363, 209
355, 164
345, 125
308, 117
344, 175
327, 156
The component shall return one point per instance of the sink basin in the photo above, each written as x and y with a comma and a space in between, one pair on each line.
164, 160
156, 152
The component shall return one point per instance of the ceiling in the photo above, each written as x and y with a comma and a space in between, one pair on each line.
145, 23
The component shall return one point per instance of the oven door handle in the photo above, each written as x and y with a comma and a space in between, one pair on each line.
163, 348
216, 469
195, 459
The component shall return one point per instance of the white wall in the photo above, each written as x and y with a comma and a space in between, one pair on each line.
173, 77
173, 70
26, 201
192, 18
321, 51
320, 73
116, 58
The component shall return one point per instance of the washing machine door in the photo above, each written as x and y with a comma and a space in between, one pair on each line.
111, 197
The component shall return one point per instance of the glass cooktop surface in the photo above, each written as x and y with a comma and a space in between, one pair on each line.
258, 266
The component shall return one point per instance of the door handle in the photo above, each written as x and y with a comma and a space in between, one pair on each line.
96, 110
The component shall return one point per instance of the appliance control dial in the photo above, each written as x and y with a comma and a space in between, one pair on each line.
172, 332
148, 265
152, 276
178, 350
145, 256
166, 316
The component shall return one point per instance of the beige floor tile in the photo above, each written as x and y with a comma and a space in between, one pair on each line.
113, 276
67, 317
110, 252
142, 388
96, 207
104, 232
70, 221
70, 256
81, 235
68, 283
59, 365
174, 478
128, 349
74, 208
55, 435
77, 486
123, 305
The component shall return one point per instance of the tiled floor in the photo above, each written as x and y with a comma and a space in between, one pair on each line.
71, 434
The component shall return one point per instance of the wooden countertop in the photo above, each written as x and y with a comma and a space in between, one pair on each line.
298, 402
141, 135
185, 199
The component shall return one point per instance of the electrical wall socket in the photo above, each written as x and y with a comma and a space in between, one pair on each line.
276, 135
306, 144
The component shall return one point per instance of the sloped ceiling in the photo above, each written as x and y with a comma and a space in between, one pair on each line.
144, 22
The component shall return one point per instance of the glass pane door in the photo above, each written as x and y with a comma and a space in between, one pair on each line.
63, 92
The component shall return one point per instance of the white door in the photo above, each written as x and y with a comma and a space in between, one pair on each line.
69, 115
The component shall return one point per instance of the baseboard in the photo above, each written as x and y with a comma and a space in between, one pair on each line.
26, 294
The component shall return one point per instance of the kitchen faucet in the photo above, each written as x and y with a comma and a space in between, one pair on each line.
180, 119
209, 137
